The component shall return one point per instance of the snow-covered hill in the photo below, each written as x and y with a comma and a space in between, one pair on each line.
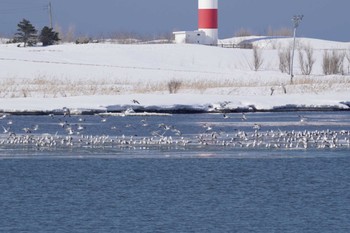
108, 76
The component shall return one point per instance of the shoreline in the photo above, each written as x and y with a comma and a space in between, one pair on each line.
144, 111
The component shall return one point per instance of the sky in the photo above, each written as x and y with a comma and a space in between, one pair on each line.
323, 19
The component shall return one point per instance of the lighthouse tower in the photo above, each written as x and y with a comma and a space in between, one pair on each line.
208, 20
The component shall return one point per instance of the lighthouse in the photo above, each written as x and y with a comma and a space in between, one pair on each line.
207, 32
208, 20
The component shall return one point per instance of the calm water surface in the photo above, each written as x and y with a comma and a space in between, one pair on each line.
175, 189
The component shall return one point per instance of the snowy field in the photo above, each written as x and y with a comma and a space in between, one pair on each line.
108, 77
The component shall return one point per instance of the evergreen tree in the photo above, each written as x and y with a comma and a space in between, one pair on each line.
26, 33
48, 36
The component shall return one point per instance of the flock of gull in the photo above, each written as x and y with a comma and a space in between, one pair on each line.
73, 134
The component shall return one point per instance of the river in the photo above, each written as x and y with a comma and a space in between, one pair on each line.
257, 172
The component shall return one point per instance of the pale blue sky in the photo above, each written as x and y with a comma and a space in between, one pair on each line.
324, 19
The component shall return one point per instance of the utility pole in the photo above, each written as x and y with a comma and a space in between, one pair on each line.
296, 21
50, 14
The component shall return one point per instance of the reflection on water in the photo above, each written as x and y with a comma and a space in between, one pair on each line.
198, 135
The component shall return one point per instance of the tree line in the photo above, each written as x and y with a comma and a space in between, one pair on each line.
28, 35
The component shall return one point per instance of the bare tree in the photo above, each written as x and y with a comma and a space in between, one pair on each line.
306, 65
333, 62
285, 60
67, 36
174, 86
257, 58
287, 32
243, 32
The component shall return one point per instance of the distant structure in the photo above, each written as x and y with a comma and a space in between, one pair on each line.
190, 37
207, 32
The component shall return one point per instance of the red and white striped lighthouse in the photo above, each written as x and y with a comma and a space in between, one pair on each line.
208, 20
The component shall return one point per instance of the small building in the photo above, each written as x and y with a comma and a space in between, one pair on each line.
190, 37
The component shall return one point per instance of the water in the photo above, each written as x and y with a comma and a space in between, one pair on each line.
174, 188
175, 195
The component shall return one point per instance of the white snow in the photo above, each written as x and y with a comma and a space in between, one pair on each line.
107, 77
